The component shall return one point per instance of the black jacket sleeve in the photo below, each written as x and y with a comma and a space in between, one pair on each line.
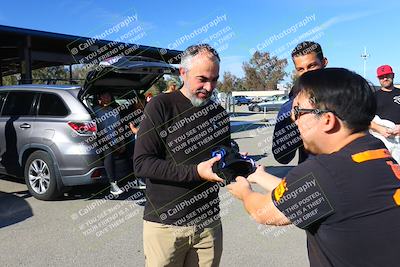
283, 147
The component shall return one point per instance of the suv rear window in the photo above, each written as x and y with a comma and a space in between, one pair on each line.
18, 104
52, 105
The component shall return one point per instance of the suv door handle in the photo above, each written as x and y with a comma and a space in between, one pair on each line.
25, 126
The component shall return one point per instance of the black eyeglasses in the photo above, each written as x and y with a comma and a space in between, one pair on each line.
298, 112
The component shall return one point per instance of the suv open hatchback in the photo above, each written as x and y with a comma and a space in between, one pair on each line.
48, 134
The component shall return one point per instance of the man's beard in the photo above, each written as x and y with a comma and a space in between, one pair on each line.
387, 85
198, 102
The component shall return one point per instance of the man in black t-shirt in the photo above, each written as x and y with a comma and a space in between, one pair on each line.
182, 224
388, 103
347, 197
386, 124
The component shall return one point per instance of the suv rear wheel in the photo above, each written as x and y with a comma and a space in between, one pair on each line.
40, 176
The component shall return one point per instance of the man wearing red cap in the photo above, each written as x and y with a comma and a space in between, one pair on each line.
387, 120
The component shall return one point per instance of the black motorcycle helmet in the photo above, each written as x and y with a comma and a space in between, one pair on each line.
232, 163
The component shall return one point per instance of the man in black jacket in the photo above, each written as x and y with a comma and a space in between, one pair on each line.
181, 218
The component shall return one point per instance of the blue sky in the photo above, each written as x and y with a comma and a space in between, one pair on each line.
343, 28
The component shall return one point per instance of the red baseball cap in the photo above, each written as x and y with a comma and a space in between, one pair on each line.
383, 70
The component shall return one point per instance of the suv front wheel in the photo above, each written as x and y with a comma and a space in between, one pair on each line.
40, 176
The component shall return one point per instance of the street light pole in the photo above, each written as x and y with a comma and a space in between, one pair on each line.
365, 56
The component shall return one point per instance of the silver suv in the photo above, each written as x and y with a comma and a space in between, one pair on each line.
48, 133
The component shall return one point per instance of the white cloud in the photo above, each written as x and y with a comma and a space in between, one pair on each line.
345, 18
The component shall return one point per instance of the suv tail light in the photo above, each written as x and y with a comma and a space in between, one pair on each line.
96, 174
84, 128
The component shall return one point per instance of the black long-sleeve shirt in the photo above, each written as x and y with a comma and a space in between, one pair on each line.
173, 138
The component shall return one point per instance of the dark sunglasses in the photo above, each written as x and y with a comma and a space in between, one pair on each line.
387, 76
298, 112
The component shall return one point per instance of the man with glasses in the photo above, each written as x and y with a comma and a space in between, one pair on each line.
306, 56
347, 197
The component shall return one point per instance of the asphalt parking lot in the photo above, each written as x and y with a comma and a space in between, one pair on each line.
88, 227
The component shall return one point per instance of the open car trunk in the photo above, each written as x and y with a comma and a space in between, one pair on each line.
124, 76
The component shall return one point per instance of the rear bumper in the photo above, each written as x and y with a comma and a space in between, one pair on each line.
122, 170
83, 179
79, 166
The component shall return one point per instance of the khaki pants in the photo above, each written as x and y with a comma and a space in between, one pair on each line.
168, 245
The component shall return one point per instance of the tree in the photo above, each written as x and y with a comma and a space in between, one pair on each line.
228, 82
11, 79
239, 85
263, 72
40, 75
79, 73
48, 73
293, 79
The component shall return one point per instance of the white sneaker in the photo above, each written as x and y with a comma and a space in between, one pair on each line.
135, 184
138, 184
114, 189
141, 184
